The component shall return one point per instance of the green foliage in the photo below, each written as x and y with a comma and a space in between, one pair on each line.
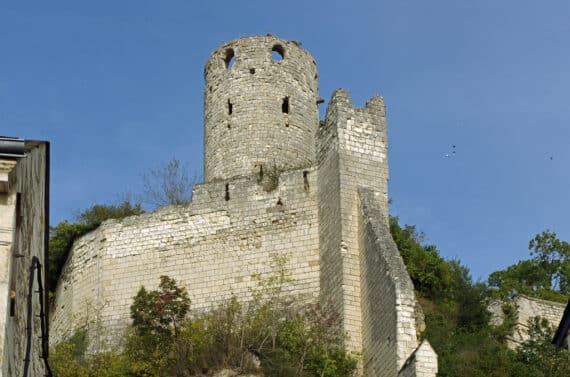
433, 276
538, 353
507, 327
61, 240
157, 318
95, 215
309, 344
64, 234
158, 312
268, 335
546, 275
69, 359
456, 308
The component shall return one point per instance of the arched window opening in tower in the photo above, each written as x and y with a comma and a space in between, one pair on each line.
285, 105
229, 57
230, 107
278, 53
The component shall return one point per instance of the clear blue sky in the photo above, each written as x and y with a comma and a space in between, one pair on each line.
116, 86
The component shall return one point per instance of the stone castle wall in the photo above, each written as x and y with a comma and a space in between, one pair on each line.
388, 297
351, 151
214, 247
277, 182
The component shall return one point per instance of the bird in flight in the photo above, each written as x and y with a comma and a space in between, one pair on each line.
452, 154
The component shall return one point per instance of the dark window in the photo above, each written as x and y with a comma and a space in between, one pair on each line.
230, 108
285, 105
227, 197
229, 58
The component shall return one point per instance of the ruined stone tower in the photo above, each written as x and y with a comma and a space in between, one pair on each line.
277, 181
260, 108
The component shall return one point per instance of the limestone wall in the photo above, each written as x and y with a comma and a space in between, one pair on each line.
527, 308
259, 112
388, 300
22, 239
214, 247
351, 149
422, 363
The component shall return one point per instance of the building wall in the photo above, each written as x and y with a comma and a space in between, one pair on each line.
214, 247
28, 178
7, 225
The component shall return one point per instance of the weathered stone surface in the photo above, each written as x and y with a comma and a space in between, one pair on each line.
276, 182
527, 308
22, 237
261, 112
422, 363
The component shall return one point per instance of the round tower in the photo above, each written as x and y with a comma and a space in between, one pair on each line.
260, 108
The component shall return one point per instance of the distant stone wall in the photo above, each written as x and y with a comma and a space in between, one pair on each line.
527, 308
22, 239
214, 247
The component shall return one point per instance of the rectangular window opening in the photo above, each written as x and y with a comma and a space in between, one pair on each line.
285, 105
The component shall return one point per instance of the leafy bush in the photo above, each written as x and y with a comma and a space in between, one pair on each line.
433, 276
68, 359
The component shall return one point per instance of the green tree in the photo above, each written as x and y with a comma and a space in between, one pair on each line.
161, 311
546, 275
154, 344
